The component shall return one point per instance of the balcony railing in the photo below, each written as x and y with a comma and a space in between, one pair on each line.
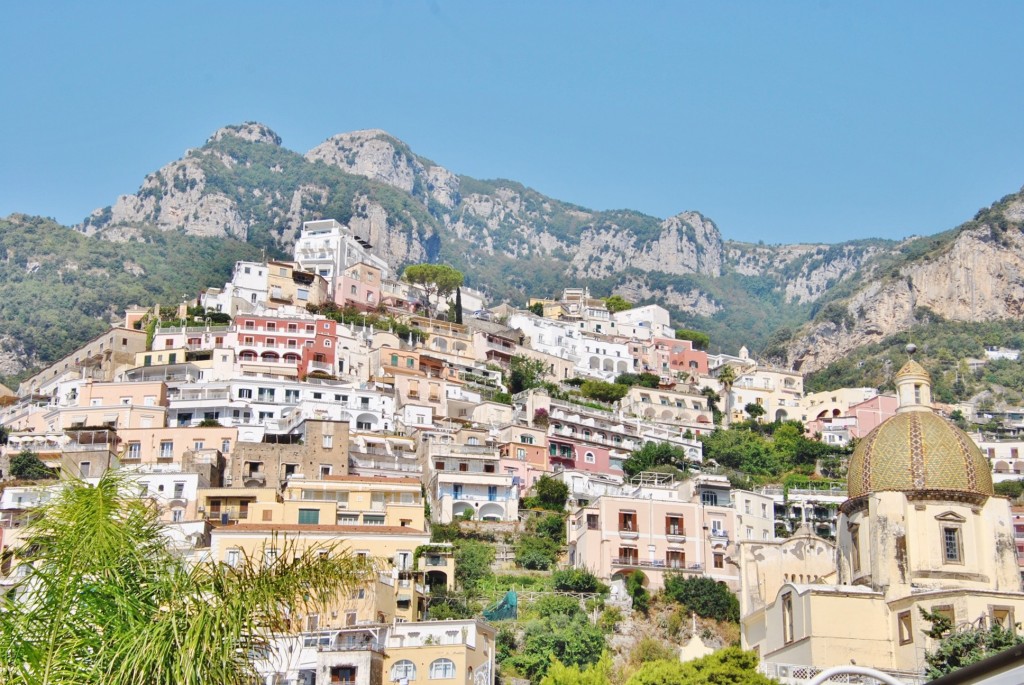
655, 563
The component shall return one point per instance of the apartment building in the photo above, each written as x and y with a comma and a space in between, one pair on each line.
661, 526
465, 479
675, 407
314, 450
327, 248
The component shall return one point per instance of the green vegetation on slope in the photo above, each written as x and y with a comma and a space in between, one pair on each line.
62, 288
942, 348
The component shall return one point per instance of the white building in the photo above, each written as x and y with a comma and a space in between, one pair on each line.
327, 248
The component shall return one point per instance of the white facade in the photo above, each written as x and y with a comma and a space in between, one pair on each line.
327, 248
643, 323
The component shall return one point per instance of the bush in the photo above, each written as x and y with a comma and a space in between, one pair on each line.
729, 666
577, 580
569, 640
1010, 488
705, 597
536, 553
603, 392
27, 465
552, 527
551, 493
635, 588
549, 605
472, 562
651, 649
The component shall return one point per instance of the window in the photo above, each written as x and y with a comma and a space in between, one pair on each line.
629, 556
198, 445
592, 522
526, 439
520, 453
233, 556
589, 458
403, 670
946, 611
627, 521
325, 470
225, 446
855, 548
1003, 616
166, 449
492, 493
675, 559
906, 629
178, 515
245, 393
269, 556
472, 440
709, 498
84, 469
328, 442
952, 545
179, 490
265, 395
674, 525
787, 617
719, 560
291, 396
441, 669
309, 516
373, 520
134, 450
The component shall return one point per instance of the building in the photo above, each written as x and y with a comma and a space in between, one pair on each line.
921, 529
659, 526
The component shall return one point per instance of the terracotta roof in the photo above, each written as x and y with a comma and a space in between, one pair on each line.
370, 479
310, 528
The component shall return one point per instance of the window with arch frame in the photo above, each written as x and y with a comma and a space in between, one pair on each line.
403, 669
442, 669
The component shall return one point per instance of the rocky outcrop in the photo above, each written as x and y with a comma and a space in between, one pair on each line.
371, 153
979, 276
686, 243
692, 302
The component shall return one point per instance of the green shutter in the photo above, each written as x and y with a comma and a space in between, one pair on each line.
311, 516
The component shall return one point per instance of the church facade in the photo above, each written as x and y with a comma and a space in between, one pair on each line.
922, 529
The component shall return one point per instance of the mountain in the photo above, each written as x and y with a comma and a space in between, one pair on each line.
804, 305
974, 273
510, 240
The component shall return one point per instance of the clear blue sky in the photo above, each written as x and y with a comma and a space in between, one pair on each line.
782, 121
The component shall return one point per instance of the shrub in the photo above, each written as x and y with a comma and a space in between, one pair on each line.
536, 553
549, 605
552, 527
27, 465
577, 580
635, 588
705, 597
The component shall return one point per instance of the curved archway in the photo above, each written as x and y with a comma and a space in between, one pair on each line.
247, 356
608, 365
666, 415
291, 358
492, 512
781, 415
270, 357
459, 509
621, 367
1002, 467
595, 363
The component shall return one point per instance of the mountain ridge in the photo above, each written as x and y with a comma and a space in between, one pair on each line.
783, 301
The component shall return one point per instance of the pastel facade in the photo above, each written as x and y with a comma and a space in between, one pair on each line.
664, 527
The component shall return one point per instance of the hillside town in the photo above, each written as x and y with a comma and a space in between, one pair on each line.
328, 400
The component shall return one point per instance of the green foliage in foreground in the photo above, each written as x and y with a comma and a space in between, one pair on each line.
654, 454
965, 647
568, 640
729, 666
598, 673
105, 601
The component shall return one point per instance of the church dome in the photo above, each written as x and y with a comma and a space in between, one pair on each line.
917, 450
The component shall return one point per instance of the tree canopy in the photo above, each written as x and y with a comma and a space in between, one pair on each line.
700, 341
654, 454
729, 666
27, 465
617, 303
436, 279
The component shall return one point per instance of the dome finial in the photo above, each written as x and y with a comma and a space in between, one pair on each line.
911, 348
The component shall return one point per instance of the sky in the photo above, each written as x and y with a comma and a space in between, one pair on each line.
781, 121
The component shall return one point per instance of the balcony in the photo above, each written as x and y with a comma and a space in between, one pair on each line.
629, 533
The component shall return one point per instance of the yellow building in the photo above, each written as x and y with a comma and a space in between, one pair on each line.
922, 529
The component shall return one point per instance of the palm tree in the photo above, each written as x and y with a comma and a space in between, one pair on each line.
727, 376
104, 600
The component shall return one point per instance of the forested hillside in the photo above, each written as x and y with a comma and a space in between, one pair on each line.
61, 288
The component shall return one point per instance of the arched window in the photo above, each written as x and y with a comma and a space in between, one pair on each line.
441, 669
403, 669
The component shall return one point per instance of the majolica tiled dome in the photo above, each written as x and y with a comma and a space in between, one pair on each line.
917, 450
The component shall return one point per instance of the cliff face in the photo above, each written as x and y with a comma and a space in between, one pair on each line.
978, 276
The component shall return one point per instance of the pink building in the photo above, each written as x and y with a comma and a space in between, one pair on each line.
669, 357
866, 416
659, 526
306, 344
359, 286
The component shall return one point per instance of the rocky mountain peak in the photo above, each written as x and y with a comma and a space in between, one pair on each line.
252, 131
